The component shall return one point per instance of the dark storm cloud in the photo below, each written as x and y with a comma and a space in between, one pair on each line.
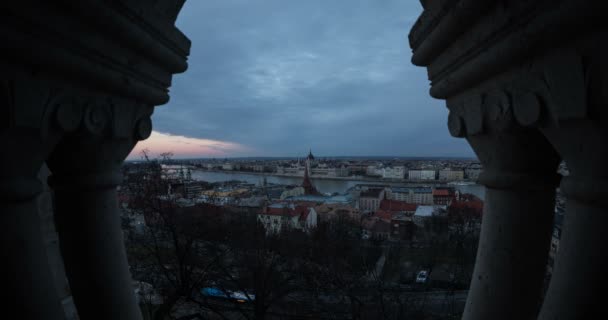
280, 76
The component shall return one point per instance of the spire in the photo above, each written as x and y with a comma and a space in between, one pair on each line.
310, 156
309, 188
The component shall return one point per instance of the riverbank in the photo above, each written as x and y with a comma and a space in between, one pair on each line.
329, 186
349, 178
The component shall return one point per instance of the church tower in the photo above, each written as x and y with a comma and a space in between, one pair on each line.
309, 188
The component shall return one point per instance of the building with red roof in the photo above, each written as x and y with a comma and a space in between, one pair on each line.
473, 207
369, 200
374, 228
383, 215
399, 216
442, 196
398, 206
278, 216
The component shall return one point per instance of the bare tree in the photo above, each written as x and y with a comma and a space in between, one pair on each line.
177, 252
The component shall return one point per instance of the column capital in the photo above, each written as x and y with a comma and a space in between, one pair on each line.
107, 130
26, 142
519, 159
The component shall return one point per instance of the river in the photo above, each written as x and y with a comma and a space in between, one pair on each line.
323, 185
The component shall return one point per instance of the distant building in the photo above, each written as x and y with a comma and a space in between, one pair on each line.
416, 195
402, 227
375, 228
222, 197
367, 186
188, 189
345, 199
292, 171
249, 205
357, 169
451, 174
226, 192
424, 213
192, 190
323, 170
399, 215
342, 171
395, 206
278, 216
369, 200
373, 171
274, 193
442, 196
419, 174
292, 192
397, 172
228, 166
472, 171
331, 211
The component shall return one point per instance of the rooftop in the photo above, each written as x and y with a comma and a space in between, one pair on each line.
395, 205
414, 190
384, 215
286, 209
427, 211
339, 199
441, 192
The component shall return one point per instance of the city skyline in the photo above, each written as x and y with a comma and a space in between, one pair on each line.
272, 79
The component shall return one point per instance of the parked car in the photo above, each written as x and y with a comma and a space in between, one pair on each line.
422, 276
238, 296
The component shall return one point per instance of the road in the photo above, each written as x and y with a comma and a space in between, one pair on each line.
302, 306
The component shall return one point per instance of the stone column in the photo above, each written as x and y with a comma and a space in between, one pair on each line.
549, 59
27, 108
579, 276
67, 71
520, 178
28, 290
85, 172
577, 93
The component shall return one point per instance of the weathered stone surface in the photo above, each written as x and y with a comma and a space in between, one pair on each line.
79, 82
539, 68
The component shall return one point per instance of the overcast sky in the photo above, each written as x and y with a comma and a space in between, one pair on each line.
277, 77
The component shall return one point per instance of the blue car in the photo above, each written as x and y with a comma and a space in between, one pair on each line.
237, 296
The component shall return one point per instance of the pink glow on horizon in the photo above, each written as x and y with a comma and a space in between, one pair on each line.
185, 147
